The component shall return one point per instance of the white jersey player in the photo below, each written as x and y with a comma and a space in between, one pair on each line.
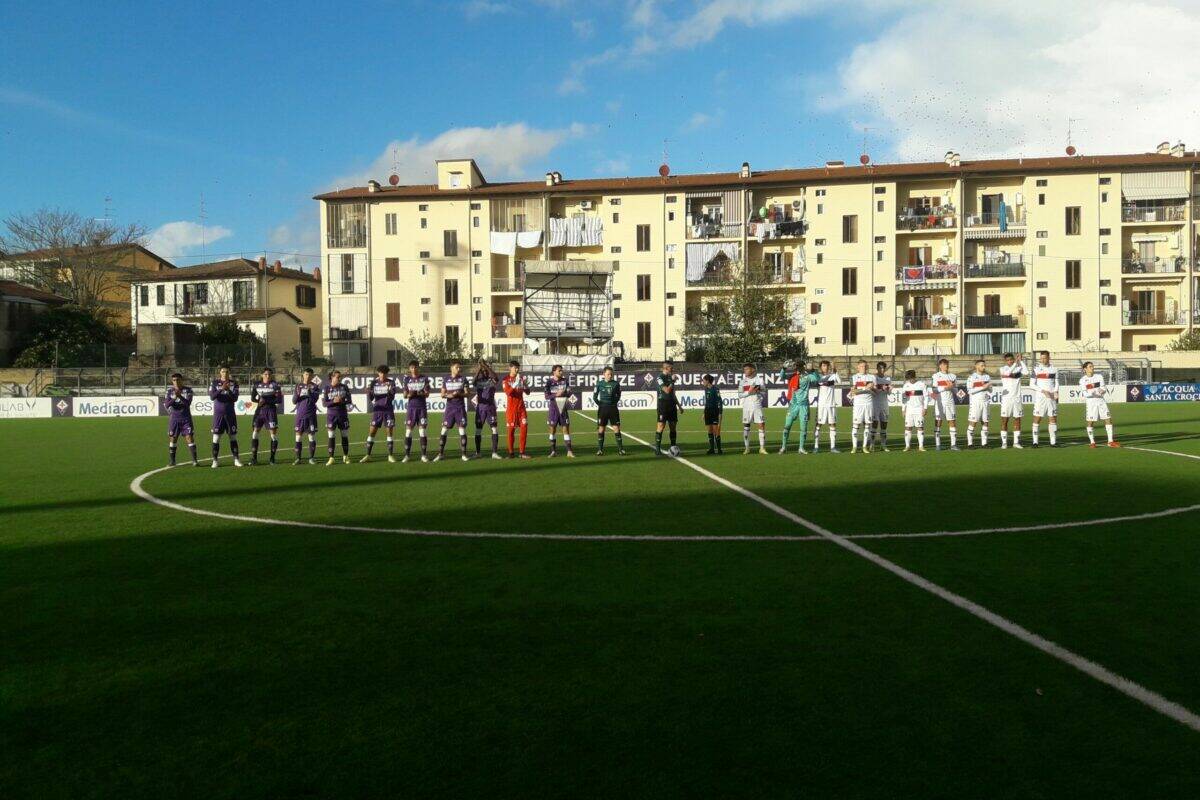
828, 400
1092, 384
752, 390
979, 392
1044, 382
941, 388
916, 400
882, 399
1011, 407
862, 398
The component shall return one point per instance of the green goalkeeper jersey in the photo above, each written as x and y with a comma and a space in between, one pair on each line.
607, 392
803, 384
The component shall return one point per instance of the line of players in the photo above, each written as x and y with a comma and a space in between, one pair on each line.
869, 401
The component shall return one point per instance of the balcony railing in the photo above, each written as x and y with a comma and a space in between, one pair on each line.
506, 331
1156, 265
925, 221
927, 322
1154, 317
1008, 269
348, 334
716, 277
508, 285
776, 228
215, 308
991, 321
769, 276
701, 228
993, 219
1154, 213
918, 274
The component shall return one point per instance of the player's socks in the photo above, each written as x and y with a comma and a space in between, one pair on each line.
524, 436
1035, 432
253, 448
332, 444
983, 436
907, 438
719, 450
442, 443
567, 442
478, 441
345, 444
970, 436
512, 432
675, 436
496, 441
1004, 438
553, 444
192, 451
408, 443
1108, 429
1053, 427
658, 441
233, 448
216, 447
853, 437
762, 439
312, 446
832, 438
783, 445
600, 440
424, 441
620, 440
370, 443
746, 436
391, 445
712, 442
1091, 432
937, 437
816, 438
921, 437
299, 448
1016, 438
171, 454
274, 447
462, 442
954, 437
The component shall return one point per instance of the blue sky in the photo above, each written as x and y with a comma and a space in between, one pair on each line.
256, 108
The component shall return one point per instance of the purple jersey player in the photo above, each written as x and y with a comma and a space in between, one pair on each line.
381, 395
305, 397
337, 414
266, 395
454, 391
223, 391
415, 388
557, 397
484, 386
179, 420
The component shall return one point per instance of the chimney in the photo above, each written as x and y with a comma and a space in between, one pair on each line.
949, 158
1164, 148
557, 178
262, 263
317, 273
1178, 150
278, 267
549, 178
372, 186
745, 170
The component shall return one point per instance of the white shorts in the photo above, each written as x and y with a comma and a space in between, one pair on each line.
1097, 409
978, 409
943, 406
881, 412
914, 419
863, 414
826, 415
752, 415
1011, 405
1044, 406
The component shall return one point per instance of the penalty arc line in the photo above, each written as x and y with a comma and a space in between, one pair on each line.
1125, 686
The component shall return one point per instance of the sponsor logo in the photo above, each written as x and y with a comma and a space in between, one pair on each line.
1164, 393
24, 407
116, 407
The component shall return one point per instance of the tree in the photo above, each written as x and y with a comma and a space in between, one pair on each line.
67, 336
73, 256
749, 321
1187, 341
429, 348
225, 341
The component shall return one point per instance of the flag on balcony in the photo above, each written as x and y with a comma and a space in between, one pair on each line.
1003, 217
914, 274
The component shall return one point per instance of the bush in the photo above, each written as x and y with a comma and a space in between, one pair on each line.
1188, 341
67, 336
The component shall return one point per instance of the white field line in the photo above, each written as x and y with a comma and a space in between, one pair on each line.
1097, 671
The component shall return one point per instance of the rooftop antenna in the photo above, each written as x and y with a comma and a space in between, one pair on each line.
665, 168
394, 178
1070, 124
203, 236
108, 217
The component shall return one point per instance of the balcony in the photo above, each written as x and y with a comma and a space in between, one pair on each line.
779, 226
927, 322
215, 308
1153, 212
994, 225
507, 331
703, 227
1156, 265
508, 285
932, 219
1153, 317
1008, 269
771, 276
715, 277
1001, 321
922, 275
348, 334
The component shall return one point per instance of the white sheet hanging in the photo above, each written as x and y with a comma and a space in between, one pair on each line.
504, 244
529, 239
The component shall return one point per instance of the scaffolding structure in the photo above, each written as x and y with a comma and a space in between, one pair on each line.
568, 310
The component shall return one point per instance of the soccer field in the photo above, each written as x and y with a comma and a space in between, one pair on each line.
741, 625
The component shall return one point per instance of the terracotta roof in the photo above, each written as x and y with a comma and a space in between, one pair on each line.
255, 314
14, 289
718, 180
231, 268
46, 253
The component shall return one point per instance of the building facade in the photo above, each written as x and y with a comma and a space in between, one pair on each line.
1093, 253
281, 306
19, 306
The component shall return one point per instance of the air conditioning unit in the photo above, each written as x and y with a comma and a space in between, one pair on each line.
586, 205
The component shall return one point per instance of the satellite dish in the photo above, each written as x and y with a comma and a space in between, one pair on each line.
1070, 149
664, 171
394, 179
864, 159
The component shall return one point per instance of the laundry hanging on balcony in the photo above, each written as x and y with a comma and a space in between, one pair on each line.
503, 243
529, 239
577, 231
700, 256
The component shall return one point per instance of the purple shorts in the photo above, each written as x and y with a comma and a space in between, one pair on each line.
383, 418
416, 414
306, 423
179, 426
337, 421
556, 417
225, 423
455, 415
485, 414
266, 417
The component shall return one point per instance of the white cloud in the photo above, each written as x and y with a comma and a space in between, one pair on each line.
503, 151
584, 28
173, 239
613, 167
484, 8
296, 243
700, 120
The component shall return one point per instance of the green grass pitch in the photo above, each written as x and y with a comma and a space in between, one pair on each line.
152, 652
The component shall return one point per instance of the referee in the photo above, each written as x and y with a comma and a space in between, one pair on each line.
608, 397
668, 405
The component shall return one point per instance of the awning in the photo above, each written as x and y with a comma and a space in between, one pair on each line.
1160, 185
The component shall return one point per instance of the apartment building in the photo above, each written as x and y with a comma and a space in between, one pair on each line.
281, 306
1059, 253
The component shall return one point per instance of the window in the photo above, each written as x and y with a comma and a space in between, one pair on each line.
879, 255
814, 308
476, 206
1042, 301
671, 295
849, 330
1105, 282
1105, 181
616, 313
455, 183
991, 305
643, 287
393, 315
346, 225
450, 243
643, 334
616, 217
305, 343
306, 296
1041, 250
423, 254
475, 222
819, 340
820, 208
614, 201
879, 206
1106, 231
424, 269
1104, 248
819, 242
879, 339
144, 295
615, 249
1042, 199
880, 190
1074, 276
670, 216
849, 280
451, 291
478, 315
880, 239
389, 224
391, 269
1108, 299
1043, 234
1073, 220
1104, 197
243, 295
452, 340
880, 290
643, 238
424, 223
160, 295
423, 207
1074, 326
425, 301
820, 258
1105, 334
879, 305
1041, 181
670, 311
670, 199
1042, 336
671, 262
819, 192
